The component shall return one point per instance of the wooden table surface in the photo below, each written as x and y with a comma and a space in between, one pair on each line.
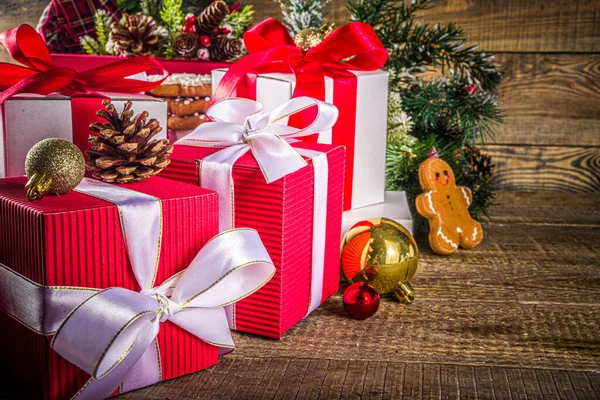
516, 318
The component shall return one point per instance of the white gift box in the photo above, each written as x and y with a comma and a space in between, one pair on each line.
395, 207
367, 178
26, 119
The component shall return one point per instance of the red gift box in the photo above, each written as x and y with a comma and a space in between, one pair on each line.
282, 213
76, 240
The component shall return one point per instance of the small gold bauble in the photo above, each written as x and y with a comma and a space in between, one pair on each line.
382, 253
53, 166
310, 37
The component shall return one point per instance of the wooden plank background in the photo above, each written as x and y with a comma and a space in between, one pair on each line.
549, 51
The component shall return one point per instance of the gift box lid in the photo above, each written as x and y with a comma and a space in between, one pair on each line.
13, 189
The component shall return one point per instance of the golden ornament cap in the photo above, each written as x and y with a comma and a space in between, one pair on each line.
53, 166
308, 38
382, 253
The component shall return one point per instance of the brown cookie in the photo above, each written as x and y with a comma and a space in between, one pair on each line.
183, 85
178, 123
187, 105
446, 206
166, 90
192, 91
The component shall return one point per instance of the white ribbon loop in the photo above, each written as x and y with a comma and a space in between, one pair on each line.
241, 121
234, 110
107, 326
225, 271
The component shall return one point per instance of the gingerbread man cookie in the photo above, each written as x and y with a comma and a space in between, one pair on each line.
446, 206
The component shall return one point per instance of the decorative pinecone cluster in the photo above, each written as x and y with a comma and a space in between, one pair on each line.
222, 47
123, 151
480, 163
136, 36
201, 36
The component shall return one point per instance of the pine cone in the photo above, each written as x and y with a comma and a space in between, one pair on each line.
225, 48
212, 16
136, 37
123, 151
480, 163
186, 45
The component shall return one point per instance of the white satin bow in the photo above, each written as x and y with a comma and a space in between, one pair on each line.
110, 335
241, 125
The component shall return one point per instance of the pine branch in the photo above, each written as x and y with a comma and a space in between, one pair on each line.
173, 18
102, 23
152, 8
129, 6
90, 45
97, 45
302, 14
240, 20
448, 109
457, 105
172, 15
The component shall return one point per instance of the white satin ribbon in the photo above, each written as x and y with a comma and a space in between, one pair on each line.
321, 171
240, 125
111, 333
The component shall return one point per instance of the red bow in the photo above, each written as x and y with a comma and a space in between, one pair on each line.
40, 75
354, 46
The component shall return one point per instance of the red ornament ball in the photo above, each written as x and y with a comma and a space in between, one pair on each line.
361, 300
204, 40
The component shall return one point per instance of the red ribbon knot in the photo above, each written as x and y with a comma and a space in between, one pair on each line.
271, 48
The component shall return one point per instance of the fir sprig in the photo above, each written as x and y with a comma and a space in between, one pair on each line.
173, 18
240, 20
302, 14
453, 104
152, 8
97, 45
446, 108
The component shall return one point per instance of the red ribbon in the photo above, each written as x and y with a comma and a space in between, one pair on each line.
40, 75
354, 46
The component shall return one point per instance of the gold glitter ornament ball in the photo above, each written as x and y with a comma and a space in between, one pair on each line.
382, 253
53, 166
310, 37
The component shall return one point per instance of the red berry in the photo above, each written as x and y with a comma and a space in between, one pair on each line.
190, 24
224, 31
204, 40
471, 89
190, 19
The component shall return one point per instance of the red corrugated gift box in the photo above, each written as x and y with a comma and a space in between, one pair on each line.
282, 213
76, 240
